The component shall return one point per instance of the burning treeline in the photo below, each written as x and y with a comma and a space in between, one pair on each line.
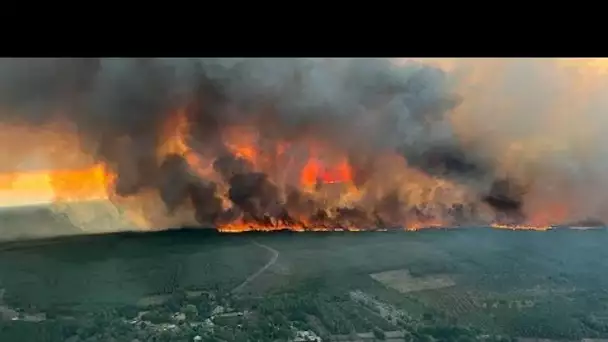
243, 144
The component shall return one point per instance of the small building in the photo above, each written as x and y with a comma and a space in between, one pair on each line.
306, 336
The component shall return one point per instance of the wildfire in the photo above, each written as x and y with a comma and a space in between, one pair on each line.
174, 140
314, 171
96, 182
174, 135
323, 166
521, 227
541, 218
52, 165
413, 226
32, 183
240, 227
242, 142
550, 214
92, 183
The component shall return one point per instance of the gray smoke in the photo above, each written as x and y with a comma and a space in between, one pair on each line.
361, 106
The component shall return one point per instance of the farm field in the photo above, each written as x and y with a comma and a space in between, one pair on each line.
402, 281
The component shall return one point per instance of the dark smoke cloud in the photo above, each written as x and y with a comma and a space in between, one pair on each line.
361, 106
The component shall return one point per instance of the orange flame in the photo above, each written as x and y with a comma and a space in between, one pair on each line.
81, 185
46, 186
52, 180
35, 178
242, 142
174, 140
95, 182
521, 227
551, 214
314, 170
174, 135
334, 171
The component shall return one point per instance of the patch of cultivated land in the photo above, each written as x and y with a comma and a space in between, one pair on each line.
404, 282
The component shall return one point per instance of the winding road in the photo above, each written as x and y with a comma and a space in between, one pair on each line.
275, 256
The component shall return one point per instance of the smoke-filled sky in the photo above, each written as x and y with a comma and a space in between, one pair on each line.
448, 141
541, 121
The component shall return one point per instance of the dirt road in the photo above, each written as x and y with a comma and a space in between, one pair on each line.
273, 259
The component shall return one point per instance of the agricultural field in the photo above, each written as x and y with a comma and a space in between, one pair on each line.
402, 281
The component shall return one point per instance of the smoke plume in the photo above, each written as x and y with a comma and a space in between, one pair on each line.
326, 143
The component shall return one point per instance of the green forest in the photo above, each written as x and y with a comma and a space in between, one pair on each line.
438, 285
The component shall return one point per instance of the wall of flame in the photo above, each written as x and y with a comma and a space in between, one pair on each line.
531, 116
